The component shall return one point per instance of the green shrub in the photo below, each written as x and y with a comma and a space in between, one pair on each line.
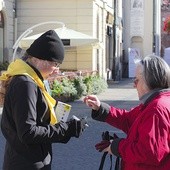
65, 88
98, 85
78, 87
95, 84
56, 89
4, 65
88, 82
68, 88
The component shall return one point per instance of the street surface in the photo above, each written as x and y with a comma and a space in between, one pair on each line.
80, 153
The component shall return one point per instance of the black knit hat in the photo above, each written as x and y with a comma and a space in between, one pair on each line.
47, 47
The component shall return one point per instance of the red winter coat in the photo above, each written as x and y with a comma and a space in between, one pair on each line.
147, 145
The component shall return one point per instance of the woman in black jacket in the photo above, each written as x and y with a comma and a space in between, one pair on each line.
28, 120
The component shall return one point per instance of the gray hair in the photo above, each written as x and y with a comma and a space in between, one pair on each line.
156, 72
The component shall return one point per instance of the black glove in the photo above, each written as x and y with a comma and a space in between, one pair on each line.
61, 130
76, 127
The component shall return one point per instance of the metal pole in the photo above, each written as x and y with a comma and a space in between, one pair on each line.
156, 26
29, 30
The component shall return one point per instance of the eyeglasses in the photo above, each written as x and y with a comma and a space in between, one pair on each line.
56, 64
53, 64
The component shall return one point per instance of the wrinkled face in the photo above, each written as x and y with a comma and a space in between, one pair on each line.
139, 82
48, 68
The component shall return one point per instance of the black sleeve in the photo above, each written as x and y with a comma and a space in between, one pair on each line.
102, 113
24, 98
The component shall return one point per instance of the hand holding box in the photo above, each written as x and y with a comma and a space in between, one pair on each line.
62, 111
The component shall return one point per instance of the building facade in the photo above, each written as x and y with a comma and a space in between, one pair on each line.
138, 26
121, 27
91, 17
7, 12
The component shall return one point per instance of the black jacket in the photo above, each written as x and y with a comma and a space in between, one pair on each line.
26, 126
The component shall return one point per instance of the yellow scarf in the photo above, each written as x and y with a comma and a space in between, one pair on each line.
19, 67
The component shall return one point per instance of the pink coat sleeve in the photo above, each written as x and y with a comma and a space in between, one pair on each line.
121, 118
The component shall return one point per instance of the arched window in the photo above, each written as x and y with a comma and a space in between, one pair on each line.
1, 36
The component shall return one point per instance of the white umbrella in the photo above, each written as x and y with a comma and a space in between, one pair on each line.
68, 36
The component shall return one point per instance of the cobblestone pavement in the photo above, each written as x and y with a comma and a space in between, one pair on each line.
80, 153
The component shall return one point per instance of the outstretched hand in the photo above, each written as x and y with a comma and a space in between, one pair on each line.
92, 101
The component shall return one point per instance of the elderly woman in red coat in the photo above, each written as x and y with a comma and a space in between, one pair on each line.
147, 145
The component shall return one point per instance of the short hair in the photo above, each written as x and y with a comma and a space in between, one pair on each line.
156, 72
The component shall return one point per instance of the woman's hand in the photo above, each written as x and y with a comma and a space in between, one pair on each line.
104, 146
108, 149
92, 101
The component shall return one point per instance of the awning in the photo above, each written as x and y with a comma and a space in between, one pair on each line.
68, 36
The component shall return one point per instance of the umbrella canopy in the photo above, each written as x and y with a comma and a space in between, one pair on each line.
68, 36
